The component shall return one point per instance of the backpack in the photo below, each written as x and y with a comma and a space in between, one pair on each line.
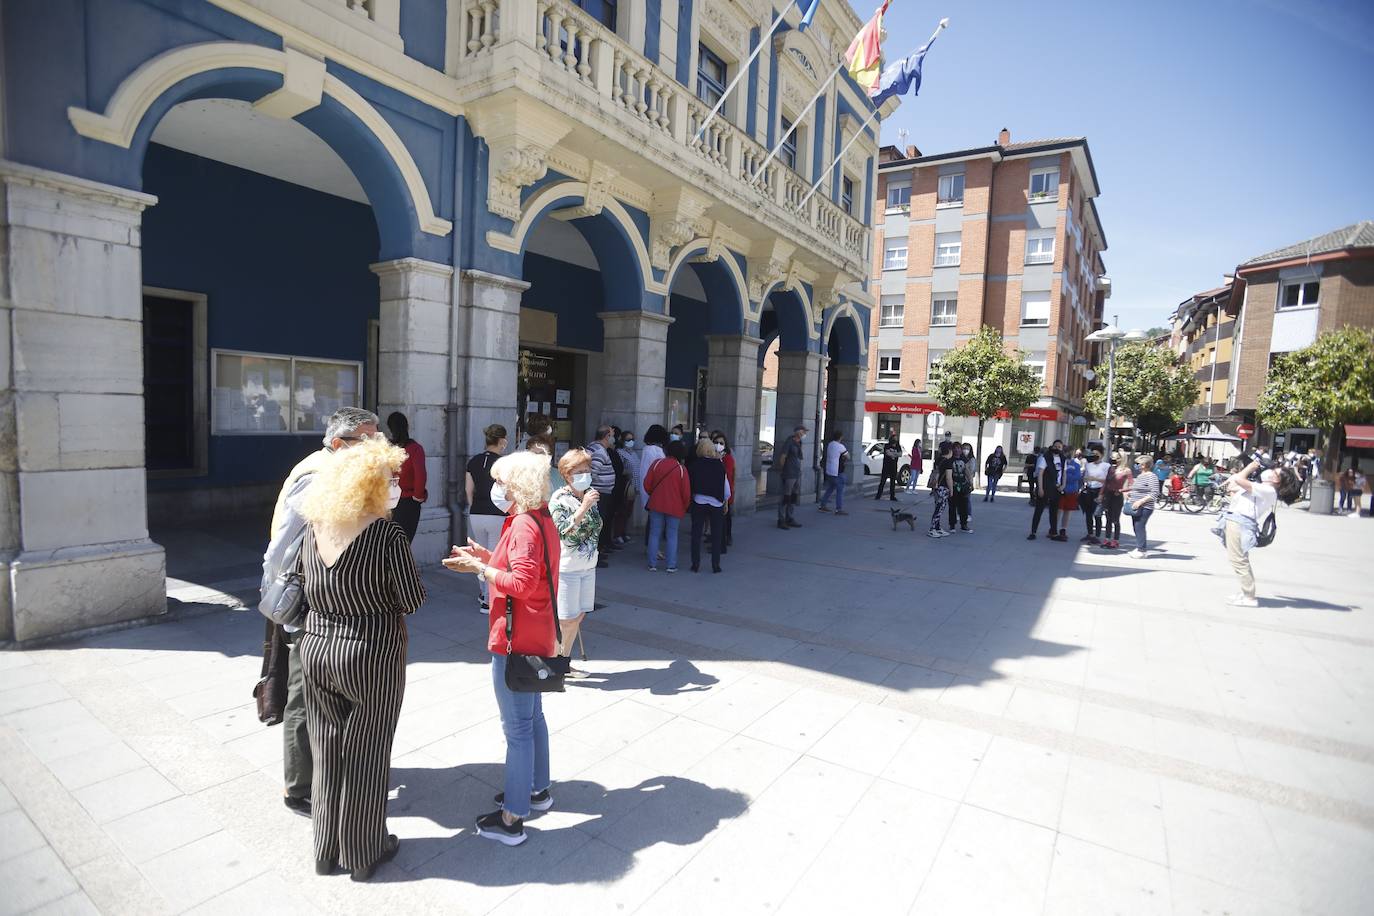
959, 471
1268, 531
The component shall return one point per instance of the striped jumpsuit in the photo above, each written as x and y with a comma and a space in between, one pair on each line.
353, 653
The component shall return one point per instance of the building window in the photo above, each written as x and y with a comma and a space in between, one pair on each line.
951, 189
894, 254
788, 152
1035, 362
889, 368
891, 311
1035, 309
1044, 184
847, 194
1299, 294
262, 394
711, 76
602, 10
933, 367
899, 197
943, 312
947, 249
1040, 248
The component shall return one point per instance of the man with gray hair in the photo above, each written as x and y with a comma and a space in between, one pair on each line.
344, 428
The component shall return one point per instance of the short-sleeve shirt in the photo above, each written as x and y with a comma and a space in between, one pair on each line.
579, 540
479, 466
1053, 466
833, 451
1256, 503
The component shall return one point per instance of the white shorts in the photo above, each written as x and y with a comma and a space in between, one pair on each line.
576, 593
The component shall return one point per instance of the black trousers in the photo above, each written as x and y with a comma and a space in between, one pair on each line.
1049, 499
1114, 502
606, 506
1087, 503
701, 515
959, 509
890, 478
407, 515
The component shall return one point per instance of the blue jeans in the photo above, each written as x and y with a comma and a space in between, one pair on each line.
992, 486
1139, 521
658, 522
527, 741
834, 483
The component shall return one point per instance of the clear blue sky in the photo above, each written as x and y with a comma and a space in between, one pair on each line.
1220, 129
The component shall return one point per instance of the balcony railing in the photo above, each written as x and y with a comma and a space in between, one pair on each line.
593, 56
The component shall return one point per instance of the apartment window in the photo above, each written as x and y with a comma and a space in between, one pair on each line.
943, 312
889, 368
933, 367
603, 10
899, 197
1299, 294
1040, 248
891, 311
894, 254
1035, 362
1035, 309
711, 76
951, 189
1044, 184
788, 152
947, 248
847, 194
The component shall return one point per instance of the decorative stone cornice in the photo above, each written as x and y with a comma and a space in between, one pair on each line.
599, 180
763, 274
673, 222
14, 173
724, 25
519, 133
715, 247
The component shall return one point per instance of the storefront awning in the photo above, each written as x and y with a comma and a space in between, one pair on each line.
1359, 436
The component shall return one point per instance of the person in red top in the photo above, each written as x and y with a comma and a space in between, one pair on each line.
723, 449
520, 568
670, 493
413, 479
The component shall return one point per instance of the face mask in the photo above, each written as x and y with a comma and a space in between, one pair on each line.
720, 448
393, 496
498, 497
582, 481
674, 437
629, 443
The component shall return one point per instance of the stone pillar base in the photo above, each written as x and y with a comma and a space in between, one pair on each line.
77, 588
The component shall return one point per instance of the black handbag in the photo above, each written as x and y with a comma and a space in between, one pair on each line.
283, 599
270, 690
535, 673
1268, 531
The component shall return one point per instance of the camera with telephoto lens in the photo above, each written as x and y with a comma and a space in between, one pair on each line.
1263, 459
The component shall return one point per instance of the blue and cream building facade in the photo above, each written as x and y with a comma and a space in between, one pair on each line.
223, 219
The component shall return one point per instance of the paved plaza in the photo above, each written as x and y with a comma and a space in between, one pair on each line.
849, 720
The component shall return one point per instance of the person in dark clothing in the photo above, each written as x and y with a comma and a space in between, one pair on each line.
413, 492
710, 494
1029, 472
1049, 474
993, 468
892, 455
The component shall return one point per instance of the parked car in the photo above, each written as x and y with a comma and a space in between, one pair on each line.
765, 452
873, 461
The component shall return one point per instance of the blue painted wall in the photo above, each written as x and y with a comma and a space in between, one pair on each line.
751, 117
818, 157
573, 293
423, 30
687, 349
284, 270
684, 44
653, 25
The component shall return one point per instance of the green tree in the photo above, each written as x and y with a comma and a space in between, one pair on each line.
1152, 388
1322, 386
981, 378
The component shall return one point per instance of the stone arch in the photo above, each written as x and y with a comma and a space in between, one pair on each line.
844, 339
724, 284
793, 310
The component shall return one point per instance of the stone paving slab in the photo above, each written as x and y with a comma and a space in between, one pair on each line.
849, 718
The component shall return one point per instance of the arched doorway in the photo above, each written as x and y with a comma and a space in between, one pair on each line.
844, 383
787, 313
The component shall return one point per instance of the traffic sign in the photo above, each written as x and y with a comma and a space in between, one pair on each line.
935, 420
1245, 430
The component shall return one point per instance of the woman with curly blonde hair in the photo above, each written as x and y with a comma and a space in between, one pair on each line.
521, 569
360, 582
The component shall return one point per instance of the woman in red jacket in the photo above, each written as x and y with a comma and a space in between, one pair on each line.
670, 493
413, 493
520, 569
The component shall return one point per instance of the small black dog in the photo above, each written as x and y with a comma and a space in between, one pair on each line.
902, 515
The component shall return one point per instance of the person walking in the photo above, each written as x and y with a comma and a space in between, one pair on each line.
728, 458
1028, 471
361, 582
788, 464
1049, 482
413, 477
892, 456
670, 496
520, 575
917, 466
993, 469
836, 456
573, 508
345, 428
484, 518
943, 482
1114, 496
603, 481
1248, 507
960, 484
710, 493
1090, 496
628, 492
1346, 482
1142, 498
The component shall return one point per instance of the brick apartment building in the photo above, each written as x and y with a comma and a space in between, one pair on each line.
1282, 301
1203, 331
1006, 235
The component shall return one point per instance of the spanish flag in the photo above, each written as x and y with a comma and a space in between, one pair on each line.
865, 54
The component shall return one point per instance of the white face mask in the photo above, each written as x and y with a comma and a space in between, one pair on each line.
674, 437
498, 498
582, 481
720, 448
393, 496
629, 443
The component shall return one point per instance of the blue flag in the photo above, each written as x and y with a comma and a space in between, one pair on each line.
900, 77
808, 11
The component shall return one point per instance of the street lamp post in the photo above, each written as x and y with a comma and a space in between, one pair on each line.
1111, 335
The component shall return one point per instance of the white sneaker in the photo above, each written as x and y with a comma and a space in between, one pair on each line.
1242, 601
1136, 554
935, 533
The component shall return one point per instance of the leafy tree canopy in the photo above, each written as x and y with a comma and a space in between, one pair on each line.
1322, 386
1151, 386
981, 378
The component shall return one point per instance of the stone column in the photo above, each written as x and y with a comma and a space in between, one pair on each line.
73, 489
845, 412
798, 373
634, 359
414, 355
732, 405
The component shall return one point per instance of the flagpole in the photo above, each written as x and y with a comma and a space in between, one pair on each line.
793, 129
862, 127
742, 71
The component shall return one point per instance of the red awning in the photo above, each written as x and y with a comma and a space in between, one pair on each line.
1359, 436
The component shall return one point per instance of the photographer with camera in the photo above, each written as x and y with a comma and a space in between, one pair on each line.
1253, 494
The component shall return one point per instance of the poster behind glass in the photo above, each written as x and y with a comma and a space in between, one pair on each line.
678, 407
252, 394
321, 389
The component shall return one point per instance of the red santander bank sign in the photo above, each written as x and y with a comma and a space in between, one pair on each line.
1030, 413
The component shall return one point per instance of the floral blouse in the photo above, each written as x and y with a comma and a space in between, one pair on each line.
579, 540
